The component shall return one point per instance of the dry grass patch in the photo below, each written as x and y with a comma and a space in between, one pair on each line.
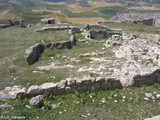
84, 20
77, 9
7, 14
97, 4
56, 3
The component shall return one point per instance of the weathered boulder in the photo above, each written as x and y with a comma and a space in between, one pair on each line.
48, 21
5, 107
37, 101
33, 53
12, 93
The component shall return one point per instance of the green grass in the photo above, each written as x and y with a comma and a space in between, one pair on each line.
13, 42
130, 27
14, 69
31, 17
87, 14
92, 105
107, 12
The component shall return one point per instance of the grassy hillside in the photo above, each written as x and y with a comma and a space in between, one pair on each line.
70, 8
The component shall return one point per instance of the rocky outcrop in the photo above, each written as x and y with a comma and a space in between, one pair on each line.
58, 28
48, 21
33, 53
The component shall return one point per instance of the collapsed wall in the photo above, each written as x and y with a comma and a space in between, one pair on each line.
34, 52
48, 21
95, 31
59, 28
17, 21
72, 85
145, 18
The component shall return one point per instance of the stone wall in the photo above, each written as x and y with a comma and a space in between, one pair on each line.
95, 27
100, 34
145, 18
72, 85
58, 28
34, 52
62, 45
4, 25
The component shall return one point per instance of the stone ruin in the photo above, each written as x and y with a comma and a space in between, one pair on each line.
151, 19
96, 31
131, 74
115, 40
48, 21
34, 52
74, 29
17, 21
13, 22
71, 85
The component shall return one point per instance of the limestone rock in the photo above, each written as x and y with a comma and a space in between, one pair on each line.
12, 93
37, 101
115, 40
137, 75
5, 107
33, 53
34, 90
53, 106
